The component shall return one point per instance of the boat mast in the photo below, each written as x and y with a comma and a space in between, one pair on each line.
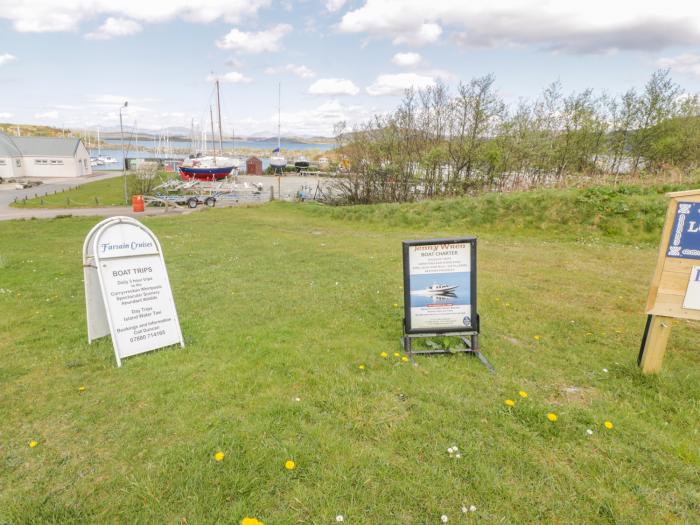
279, 113
218, 109
192, 137
99, 151
213, 135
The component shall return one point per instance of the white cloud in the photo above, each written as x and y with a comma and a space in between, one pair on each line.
424, 34
334, 5
300, 71
318, 120
406, 59
108, 100
5, 115
687, 64
579, 27
49, 15
234, 62
115, 27
49, 115
255, 42
333, 87
397, 84
6, 58
232, 77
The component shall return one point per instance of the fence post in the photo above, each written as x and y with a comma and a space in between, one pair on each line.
272, 193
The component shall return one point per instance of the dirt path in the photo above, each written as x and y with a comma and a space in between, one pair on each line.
7, 213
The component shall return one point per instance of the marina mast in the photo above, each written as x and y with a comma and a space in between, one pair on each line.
213, 135
218, 109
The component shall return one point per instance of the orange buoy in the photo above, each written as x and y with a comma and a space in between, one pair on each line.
137, 203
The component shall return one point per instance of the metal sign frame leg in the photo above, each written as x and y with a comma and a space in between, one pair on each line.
470, 340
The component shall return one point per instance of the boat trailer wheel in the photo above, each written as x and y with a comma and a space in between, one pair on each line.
210, 202
192, 202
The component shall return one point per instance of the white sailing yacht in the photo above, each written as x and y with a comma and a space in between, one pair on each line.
211, 167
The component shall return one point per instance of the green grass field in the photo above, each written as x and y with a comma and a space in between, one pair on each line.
280, 305
105, 192
101, 193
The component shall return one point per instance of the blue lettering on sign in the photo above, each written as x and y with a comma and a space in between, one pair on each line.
105, 247
685, 235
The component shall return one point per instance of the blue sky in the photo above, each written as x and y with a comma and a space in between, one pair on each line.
71, 63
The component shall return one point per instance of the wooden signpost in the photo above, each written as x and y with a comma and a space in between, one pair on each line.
127, 291
675, 287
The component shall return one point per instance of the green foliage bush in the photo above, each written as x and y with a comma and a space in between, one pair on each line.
629, 213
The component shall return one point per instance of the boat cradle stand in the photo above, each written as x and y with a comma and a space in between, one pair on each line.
470, 340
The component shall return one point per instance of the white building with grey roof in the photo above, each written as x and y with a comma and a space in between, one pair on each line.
43, 157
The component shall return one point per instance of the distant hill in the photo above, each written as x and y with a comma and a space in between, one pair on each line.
32, 130
175, 133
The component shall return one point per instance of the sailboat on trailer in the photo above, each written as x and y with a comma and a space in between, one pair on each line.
211, 167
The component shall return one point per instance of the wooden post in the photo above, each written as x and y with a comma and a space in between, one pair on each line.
654, 344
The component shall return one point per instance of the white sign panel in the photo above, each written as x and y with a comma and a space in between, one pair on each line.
127, 290
692, 294
439, 285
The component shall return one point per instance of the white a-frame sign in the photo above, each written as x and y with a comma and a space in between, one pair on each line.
127, 291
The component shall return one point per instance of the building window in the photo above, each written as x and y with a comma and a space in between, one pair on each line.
18, 162
56, 161
2, 162
41, 161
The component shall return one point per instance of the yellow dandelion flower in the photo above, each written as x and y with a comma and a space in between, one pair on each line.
552, 417
507, 304
81, 388
537, 337
522, 394
361, 367
219, 456
509, 402
33, 443
608, 425
396, 354
290, 464
404, 359
251, 521
396, 305
384, 354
